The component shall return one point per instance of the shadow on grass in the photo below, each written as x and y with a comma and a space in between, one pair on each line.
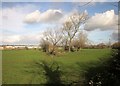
105, 72
51, 72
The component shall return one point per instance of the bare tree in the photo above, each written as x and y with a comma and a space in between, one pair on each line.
64, 41
72, 26
80, 41
75, 43
82, 38
44, 45
53, 36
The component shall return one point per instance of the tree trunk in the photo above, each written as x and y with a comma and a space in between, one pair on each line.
70, 45
53, 50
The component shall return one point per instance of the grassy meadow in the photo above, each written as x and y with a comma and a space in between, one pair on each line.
18, 65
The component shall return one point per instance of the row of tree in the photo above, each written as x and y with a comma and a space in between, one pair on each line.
70, 35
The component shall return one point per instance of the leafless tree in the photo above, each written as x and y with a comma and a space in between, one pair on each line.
72, 26
44, 45
82, 38
53, 36
80, 41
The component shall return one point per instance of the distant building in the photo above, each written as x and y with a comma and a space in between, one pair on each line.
32, 46
8, 47
12, 47
1, 48
19, 46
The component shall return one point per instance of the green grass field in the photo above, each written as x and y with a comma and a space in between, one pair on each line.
16, 62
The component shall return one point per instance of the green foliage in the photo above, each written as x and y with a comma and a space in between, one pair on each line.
107, 72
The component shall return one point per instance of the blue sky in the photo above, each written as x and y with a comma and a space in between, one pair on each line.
60, 0
66, 6
17, 31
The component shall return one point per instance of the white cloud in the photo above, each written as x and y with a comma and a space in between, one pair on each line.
33, 17
115, 35
30, 39
12, 18
0, 18
51, 15
14, 29
21, 39
11, 39
103, 21
66, 16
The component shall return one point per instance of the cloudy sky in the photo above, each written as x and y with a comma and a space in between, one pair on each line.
24, 22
